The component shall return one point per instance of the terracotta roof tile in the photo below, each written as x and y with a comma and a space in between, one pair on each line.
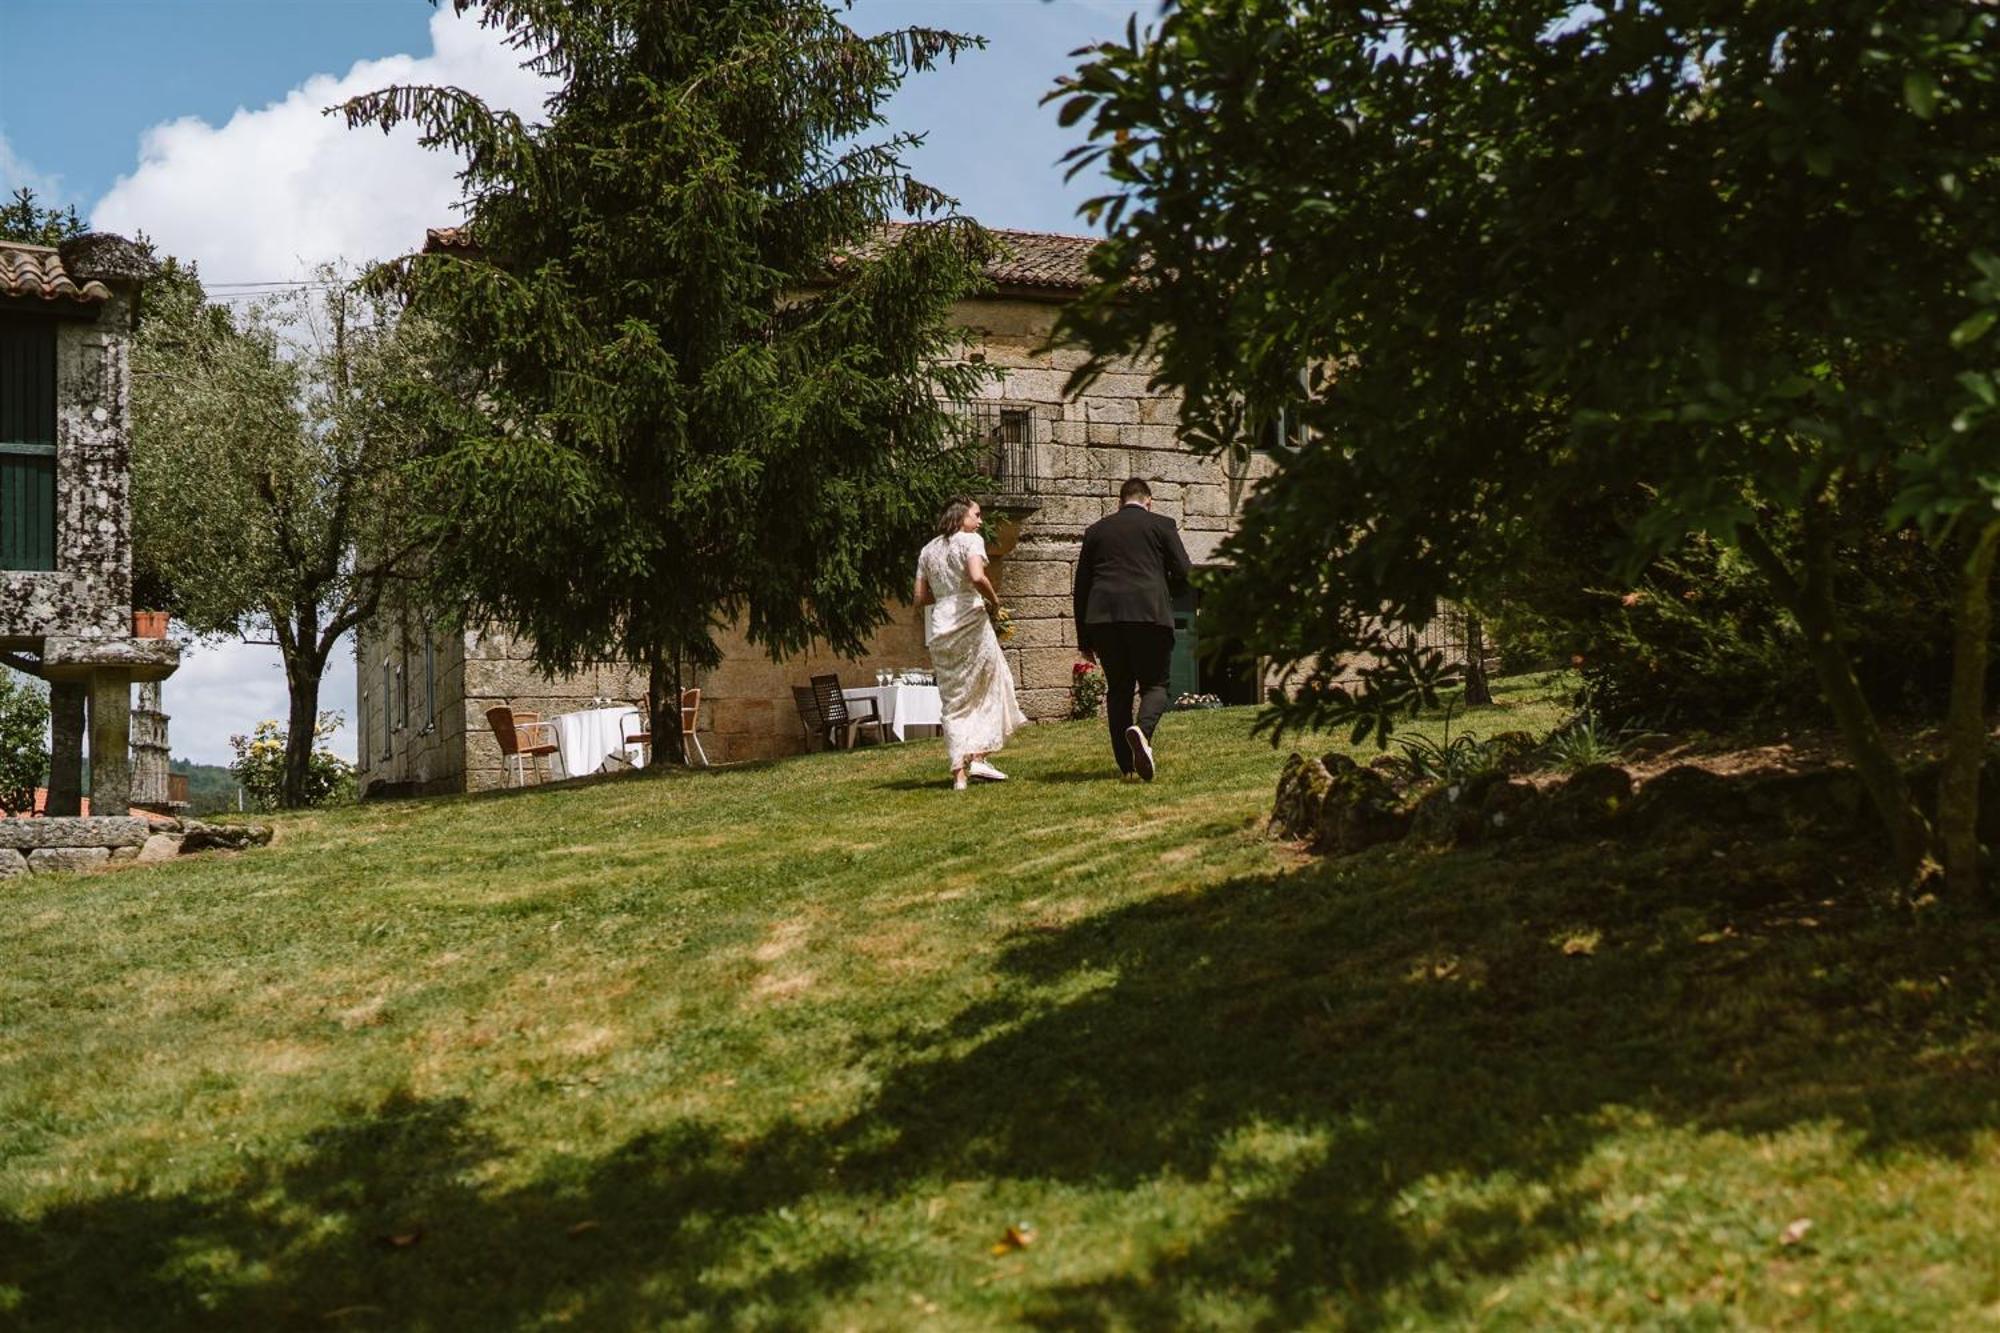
1042, 259
1047, 260
36, 271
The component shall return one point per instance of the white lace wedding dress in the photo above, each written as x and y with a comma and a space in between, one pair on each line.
975, 688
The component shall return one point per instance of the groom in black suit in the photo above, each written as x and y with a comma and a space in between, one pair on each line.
1131, 565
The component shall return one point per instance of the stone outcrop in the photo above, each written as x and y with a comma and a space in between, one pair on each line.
1302, 788
42, 845
199, 837
1360, 809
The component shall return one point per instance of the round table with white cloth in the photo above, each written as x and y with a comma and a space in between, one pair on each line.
902, 706
586, 738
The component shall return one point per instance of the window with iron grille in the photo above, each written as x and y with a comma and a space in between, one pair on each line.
27, 443
1007, 436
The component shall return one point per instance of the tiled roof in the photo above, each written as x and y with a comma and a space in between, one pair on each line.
1042, 259
36, 271
1047, 260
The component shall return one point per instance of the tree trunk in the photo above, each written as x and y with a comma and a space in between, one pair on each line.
1965, 723
1810, 599
663, 706
1478, 690
302, 678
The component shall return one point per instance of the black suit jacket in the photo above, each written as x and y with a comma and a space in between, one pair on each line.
1131, 565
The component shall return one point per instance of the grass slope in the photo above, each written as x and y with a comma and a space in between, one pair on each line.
793, 1046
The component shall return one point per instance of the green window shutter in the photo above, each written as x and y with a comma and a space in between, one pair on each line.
27, 444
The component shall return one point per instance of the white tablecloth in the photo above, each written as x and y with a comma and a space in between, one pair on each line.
901, 706
585, 739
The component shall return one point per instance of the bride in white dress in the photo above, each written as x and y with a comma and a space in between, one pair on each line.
975, 688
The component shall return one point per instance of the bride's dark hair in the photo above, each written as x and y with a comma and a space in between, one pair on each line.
952, 520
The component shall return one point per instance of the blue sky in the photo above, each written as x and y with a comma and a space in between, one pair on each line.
198, 123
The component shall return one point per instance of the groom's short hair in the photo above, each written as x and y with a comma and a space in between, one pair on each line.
1135, 489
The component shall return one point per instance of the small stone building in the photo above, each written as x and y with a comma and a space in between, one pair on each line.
66, 321
1056, 465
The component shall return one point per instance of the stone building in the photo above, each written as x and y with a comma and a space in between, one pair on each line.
66, 320
1056, 465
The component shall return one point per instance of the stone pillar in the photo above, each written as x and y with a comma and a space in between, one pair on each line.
149, 748
110, 741
66, 711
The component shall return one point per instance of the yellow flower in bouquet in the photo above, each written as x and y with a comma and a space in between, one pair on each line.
1003, 623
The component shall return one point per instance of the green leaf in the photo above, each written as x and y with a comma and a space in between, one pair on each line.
1980, 385
1920, 93
1975, 328
1074, 110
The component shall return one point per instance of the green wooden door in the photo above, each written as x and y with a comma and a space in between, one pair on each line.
1184, 676
27, 444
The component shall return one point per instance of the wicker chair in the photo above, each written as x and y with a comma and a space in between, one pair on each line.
840, 724
690, 715
523, 737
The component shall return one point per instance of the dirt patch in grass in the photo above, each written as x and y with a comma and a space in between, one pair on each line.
773, 988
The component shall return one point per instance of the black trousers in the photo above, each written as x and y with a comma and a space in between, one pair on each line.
1134, 657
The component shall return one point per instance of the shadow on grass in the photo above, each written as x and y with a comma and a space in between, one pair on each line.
1409, 1016
378, 1222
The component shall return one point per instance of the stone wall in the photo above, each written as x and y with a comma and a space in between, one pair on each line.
413, 737
1118, 428
42, 846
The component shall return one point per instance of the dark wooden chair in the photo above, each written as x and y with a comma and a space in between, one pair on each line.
841, 724
809, 718
523, 737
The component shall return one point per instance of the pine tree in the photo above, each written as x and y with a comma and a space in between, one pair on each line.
702, 383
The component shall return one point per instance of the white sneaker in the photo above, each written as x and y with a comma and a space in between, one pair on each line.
1142, 752
958, 781
985, 772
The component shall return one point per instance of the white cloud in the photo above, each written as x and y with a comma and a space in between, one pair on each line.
278, 189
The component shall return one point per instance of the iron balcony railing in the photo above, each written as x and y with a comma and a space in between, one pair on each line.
1006, 435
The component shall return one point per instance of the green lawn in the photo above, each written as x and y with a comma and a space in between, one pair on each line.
793, 1046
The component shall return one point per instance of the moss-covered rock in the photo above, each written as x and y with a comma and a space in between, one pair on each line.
1589, 801
1360, 810
1302, 788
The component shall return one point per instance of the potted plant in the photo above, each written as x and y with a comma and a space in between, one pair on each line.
149, 624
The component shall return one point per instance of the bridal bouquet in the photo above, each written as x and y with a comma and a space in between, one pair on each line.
1003, 624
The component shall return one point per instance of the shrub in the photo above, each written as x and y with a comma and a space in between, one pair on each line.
24, 740
260, 766
1696, 640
